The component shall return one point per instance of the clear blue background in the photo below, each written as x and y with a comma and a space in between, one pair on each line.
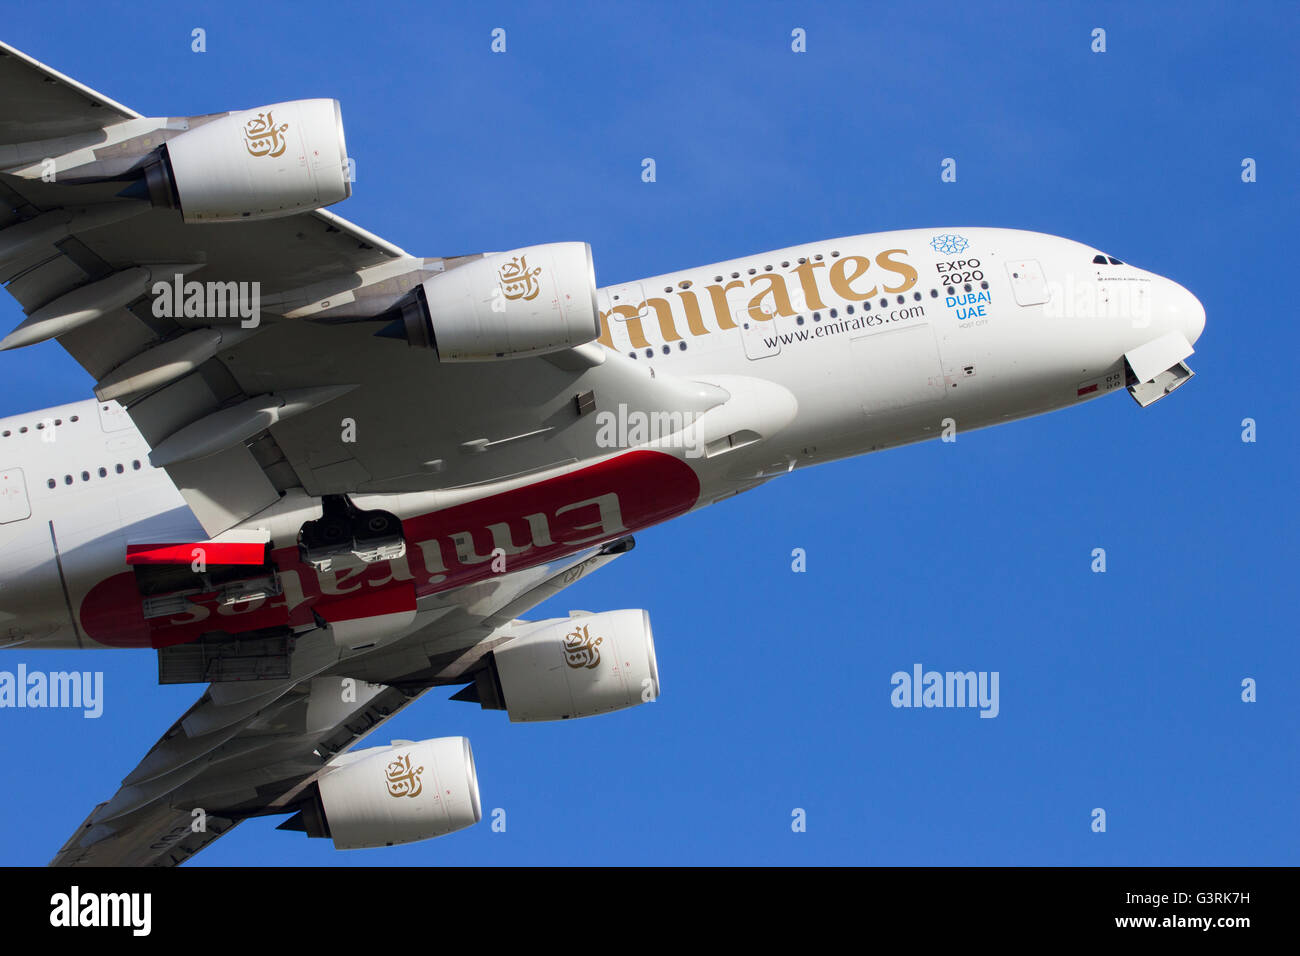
1119, 691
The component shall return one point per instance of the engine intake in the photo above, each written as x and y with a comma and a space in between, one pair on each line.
261, 163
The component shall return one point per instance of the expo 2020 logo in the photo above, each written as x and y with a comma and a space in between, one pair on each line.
949, 244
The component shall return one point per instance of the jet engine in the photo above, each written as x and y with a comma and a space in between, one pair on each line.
506, 305
576, 667
401, 793
255, 164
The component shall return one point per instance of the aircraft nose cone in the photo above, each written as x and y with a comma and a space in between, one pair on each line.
1185, 311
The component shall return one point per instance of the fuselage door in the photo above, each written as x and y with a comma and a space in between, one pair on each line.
624, 312
14, 505
759, 337
1028, 282
113, 417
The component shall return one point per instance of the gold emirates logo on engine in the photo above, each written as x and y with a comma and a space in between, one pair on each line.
403, 780
581, 649
517, 281
263, 138
765, 296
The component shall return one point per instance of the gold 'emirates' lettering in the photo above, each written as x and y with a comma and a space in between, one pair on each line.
721, 310
694, 321
664, 312
841, 283
902, 268
809, 283
631, 321
769, 296
780, 298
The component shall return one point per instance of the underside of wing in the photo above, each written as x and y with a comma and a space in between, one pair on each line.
258, 748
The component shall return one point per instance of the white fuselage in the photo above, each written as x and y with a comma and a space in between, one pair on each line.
862, 334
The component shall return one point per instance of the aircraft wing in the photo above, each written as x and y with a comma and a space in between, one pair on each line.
252, 748
374, 413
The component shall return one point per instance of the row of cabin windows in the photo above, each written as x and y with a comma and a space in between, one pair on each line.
23, 430
103, 473
834, 313
768, 268
686, 283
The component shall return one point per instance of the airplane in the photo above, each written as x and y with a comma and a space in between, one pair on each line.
321, 476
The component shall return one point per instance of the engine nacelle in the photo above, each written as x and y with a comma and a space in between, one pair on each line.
400, 794
586, 665
508, 305
256, 164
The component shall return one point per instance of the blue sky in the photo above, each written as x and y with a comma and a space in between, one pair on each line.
1118, 690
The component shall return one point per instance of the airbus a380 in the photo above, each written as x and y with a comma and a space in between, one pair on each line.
321, 475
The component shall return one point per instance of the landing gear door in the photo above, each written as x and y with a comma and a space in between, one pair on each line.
1028, 282
1157, 368
626, 314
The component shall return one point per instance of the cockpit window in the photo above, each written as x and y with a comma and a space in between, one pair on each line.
1099, 260
1114, 261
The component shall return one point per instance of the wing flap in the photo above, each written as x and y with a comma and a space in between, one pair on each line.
224, 489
